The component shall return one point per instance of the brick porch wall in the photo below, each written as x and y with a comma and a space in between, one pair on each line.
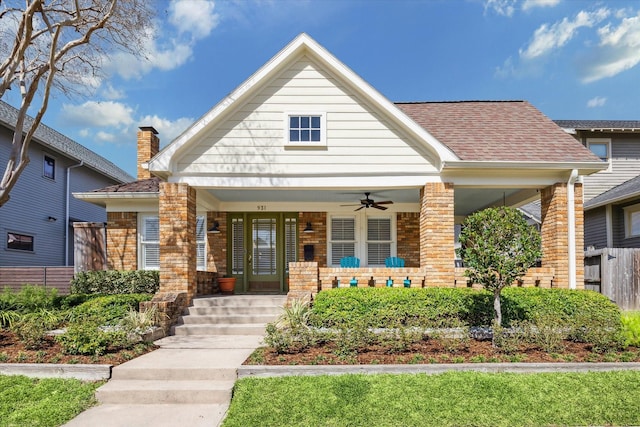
318, 238
579, 211
122, 240
408, 226
437, 246
217, 243
177, 239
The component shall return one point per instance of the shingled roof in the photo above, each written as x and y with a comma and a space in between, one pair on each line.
601, 125
151, 185
497, 131
626, 190
54, 140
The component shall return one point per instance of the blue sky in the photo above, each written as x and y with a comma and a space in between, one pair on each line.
572, 59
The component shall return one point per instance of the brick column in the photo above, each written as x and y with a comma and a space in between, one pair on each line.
437, 243
303, 281
122, 240
555, 232
177, 239
579, 213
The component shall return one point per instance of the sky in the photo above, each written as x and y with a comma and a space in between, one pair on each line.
572, 59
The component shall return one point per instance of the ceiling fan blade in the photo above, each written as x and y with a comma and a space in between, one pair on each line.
382, 208
360, 208
386, 202
354, 204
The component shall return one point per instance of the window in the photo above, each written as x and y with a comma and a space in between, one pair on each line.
632, 221
150, 242
306, 129
370, 238
20, 242
49, 167
601, 147
237, 246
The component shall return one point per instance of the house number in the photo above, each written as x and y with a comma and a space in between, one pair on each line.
262, 207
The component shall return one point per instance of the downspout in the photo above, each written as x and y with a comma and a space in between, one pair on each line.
66, 214
571, 227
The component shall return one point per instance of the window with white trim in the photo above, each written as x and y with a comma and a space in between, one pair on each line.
601, 147
368, 237
632, 221
306, 129
150, 242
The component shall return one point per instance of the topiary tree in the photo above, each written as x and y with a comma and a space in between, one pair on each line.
498, 247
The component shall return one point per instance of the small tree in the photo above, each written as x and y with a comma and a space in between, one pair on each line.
498, 247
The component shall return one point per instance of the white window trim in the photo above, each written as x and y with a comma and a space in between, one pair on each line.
44, 163
360, 234
141, 261
609, 153
628, 211
306, 144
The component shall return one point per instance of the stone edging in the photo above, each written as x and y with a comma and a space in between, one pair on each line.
84, 372
436, 368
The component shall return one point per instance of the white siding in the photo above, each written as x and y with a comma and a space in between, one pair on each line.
252, 140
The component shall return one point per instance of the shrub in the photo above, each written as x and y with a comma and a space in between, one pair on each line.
631, 328
111, 282
90, 337
29, 298
108, 309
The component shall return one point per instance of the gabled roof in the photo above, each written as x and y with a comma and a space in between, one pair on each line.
161, 164
600, 125
626, 190
510, 131
54, 140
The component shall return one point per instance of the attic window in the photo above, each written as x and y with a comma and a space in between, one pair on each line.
306, 129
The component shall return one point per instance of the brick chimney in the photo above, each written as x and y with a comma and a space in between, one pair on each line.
148, 146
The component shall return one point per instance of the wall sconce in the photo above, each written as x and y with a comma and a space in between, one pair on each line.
215, 229
52, 219
309, 229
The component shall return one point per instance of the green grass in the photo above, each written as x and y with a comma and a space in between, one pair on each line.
450, 399
43, 402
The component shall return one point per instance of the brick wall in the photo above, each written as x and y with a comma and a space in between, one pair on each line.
554, 232
579, 211
217, 243
318, 238
148, 146
303, 280
437, 248
122, 240
177, 239
408, 229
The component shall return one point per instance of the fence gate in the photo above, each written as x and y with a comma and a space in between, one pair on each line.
615, 272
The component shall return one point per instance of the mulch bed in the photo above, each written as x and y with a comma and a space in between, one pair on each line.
434, 351
14, 351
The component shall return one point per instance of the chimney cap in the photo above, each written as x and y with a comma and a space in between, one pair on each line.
148, 129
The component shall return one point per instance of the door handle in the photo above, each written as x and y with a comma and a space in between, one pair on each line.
250, 259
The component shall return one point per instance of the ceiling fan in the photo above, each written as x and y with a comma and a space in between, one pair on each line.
370, 203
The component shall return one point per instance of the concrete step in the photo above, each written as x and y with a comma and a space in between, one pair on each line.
227, 319
225, 310
221, 329
240, 301
174, 374
164, 392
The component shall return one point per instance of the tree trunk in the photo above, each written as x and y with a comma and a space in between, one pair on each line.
497, 310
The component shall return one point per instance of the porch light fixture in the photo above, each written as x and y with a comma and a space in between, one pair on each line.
215, 229
309, 229
52, 219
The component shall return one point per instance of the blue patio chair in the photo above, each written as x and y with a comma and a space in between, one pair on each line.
394, 262
350, 262
407, 282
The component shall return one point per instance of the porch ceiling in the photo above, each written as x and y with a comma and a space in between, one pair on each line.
467, 200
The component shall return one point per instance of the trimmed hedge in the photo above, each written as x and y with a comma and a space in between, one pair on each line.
108, 309
442, 307
110, 282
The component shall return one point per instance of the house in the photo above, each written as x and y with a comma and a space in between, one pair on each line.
306, 163
610, 195
36, 223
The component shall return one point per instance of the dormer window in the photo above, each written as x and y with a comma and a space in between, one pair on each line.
306, 130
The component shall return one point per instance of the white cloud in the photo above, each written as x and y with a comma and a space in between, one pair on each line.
501, 7
99, 114
103, 137
168, 130
530, 4
111, 92
194, 16
598, 101
618, 50
549, 37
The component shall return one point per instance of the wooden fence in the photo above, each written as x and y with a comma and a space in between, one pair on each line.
15, 278
615, 272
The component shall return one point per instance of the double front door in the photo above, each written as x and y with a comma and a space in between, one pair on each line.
260, 246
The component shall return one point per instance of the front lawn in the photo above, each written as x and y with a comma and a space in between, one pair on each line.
43, 402
450, 399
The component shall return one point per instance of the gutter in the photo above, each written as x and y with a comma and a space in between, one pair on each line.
594, 166
66, 214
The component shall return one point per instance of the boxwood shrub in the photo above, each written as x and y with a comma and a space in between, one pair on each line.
107, 309
111, 282
441, 307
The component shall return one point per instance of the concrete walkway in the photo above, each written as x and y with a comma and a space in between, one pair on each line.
179, 358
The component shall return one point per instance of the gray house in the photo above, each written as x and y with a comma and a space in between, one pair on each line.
36, 224
612, 196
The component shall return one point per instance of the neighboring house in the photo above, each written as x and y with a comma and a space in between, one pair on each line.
277, 174
36, 223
